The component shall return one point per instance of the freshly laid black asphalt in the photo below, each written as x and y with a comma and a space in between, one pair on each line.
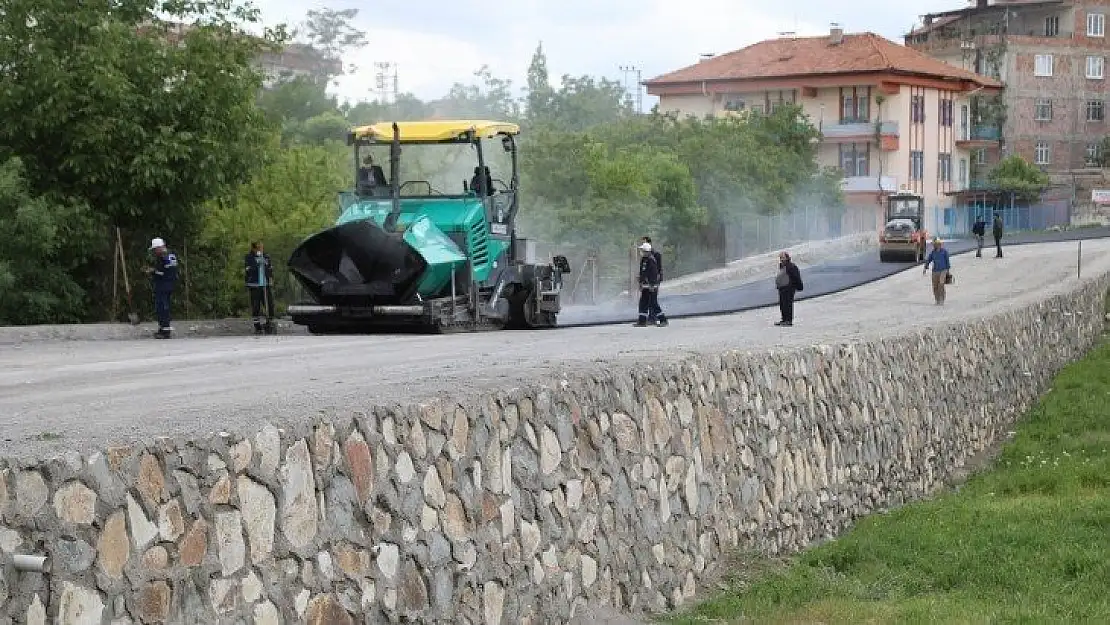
823, 279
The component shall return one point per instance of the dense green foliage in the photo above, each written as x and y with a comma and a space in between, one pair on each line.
114, 121
1025, 542
111, 125
1019, 177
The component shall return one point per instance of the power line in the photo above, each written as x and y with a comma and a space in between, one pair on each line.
630, 69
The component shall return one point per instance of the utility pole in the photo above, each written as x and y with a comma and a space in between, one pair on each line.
632, 69
385, 83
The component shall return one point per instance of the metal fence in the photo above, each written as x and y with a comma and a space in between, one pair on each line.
750, 235
955, 222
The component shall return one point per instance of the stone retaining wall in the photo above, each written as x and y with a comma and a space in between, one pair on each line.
621, 490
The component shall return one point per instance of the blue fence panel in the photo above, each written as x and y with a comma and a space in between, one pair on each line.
748, 234
956, 222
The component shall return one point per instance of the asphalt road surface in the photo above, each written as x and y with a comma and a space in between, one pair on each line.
85, 395
819, 280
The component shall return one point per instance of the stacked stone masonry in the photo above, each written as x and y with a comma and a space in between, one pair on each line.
620, 491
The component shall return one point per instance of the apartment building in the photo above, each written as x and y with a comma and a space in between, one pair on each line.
292, 60
890, 117
1051, 56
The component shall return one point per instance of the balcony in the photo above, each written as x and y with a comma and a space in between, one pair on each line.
855, 130
862, 131
979, 136
868, 184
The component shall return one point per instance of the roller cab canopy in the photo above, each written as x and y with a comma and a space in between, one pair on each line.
438, 131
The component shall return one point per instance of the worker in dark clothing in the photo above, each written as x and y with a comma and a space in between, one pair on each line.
258, 272
998, 235
656, 254
163, 276
482, 181
371, 178
979, 229
649, 289
789, 282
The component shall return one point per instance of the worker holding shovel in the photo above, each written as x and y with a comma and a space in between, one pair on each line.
259, 274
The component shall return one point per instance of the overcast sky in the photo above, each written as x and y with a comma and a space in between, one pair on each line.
436, 43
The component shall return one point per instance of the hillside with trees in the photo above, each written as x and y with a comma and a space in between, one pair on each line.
110, 124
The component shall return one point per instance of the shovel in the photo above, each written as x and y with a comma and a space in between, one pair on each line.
132, 316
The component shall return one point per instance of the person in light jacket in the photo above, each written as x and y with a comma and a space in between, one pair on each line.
941, 263
789, 283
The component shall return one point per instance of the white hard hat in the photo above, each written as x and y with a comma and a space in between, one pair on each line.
645, 246
156, 243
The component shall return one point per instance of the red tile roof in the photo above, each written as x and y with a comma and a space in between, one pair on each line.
815, 56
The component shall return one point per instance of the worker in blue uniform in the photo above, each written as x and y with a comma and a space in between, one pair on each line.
163, 276
649, 288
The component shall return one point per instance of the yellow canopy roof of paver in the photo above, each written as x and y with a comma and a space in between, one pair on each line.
436, 130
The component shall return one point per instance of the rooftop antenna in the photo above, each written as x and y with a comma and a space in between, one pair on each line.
705, 56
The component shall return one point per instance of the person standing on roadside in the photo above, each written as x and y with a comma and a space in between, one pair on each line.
979, 229
163, 277
649, 289
656, 254
998, 235
789, 282
941, 263
259, 274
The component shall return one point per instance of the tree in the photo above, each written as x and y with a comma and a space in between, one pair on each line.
492, 97
539, 94
46, 241
104, 107
296, 100
1018, 177
331, 32
580, 103
405, 107
294, 196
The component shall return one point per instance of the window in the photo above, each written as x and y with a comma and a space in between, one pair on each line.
1094, 151
981, 156
944, 168
917, 165
1041, 154
963, 172
855, 105
1042, 110
1095, 111
1096, 25
945, 112
733, 103
1042, 65
1051, 26
917, 109
757, 109
855, 159
1095, 67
